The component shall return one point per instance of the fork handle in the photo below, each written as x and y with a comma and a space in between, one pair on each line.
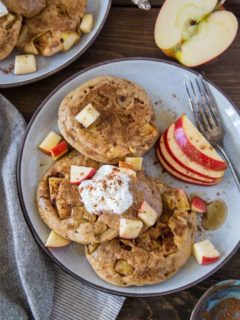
231, 165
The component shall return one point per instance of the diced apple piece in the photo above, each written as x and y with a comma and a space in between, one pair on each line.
87, 116
3, 10
198, 205
79, 173
51, 140
25, 64
147, 214
54, 184
129, 228
182, 200
123, 164
135, 162
59, 150
56, 241
205, 252
86, 24
69, 39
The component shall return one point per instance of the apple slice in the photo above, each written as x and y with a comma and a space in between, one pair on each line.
179, 176
147, 214
59, 150
135, 162
69, 39
198, 205
54, 240
51, 140
79, 173
196, 32
86, 24
205, 252
177, 167
195, 146
87, 116
129, 228
178, 155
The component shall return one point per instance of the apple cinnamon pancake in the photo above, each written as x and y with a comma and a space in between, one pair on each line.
126, 125
155, 256
26, 8
43, 34
10, 26
63, 208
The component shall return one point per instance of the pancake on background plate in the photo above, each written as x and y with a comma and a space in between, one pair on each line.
43, 33
26, 8
10, 26
91, 212
155, 256
126, 125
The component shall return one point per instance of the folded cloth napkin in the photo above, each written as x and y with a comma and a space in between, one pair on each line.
31, 287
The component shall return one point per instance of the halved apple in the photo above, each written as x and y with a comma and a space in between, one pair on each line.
79, 173
87, 116
205, 252
54, 240
180, 169
178, 155
178, 175
194, 31
195, 146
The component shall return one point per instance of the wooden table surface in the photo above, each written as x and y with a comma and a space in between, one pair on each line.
129, 33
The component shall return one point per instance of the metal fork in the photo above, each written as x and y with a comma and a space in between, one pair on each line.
208, 119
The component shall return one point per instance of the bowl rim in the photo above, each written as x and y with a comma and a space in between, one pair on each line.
207, 294
68, 62
27, 217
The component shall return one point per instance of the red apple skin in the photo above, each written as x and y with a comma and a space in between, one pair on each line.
192, 152
208, 260
59, 150
198, 205
175, 174
89, 175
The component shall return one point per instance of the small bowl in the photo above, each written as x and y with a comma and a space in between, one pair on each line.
221, 301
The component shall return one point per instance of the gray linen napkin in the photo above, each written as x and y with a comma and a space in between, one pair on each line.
30, 286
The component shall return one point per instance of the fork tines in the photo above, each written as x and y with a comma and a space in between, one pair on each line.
203, 106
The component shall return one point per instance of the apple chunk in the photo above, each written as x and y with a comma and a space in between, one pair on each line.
198, 205
195, 146
24, 64
51, 140
87, 116
79, 173
54, 240
205, 252
86, 24
135, 162
59, 150
69, 39
129, 228
147, 214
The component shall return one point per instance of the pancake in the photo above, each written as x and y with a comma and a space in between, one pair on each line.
155, 256
26, 8
43, 33
126, 125
10, 26
63, 211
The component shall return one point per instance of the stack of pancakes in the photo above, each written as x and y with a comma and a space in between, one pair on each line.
30, 19
126, 127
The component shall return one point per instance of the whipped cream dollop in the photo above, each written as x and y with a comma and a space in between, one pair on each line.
107, 191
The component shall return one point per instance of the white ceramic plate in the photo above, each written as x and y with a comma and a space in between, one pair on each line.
50, 65
164, 83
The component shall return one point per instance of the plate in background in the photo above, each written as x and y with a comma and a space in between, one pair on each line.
167, 93
50, 65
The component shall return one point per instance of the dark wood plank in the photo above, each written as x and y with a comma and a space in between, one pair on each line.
127, 33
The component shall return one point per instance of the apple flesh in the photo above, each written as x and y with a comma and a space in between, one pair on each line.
129, 228
147, 214
196, 32
135, 162
87, 116
24, 64
51, 140
86, 24
198, 205
205, 252
195, 146
69, 39
59, 150
56, 241
79, 173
